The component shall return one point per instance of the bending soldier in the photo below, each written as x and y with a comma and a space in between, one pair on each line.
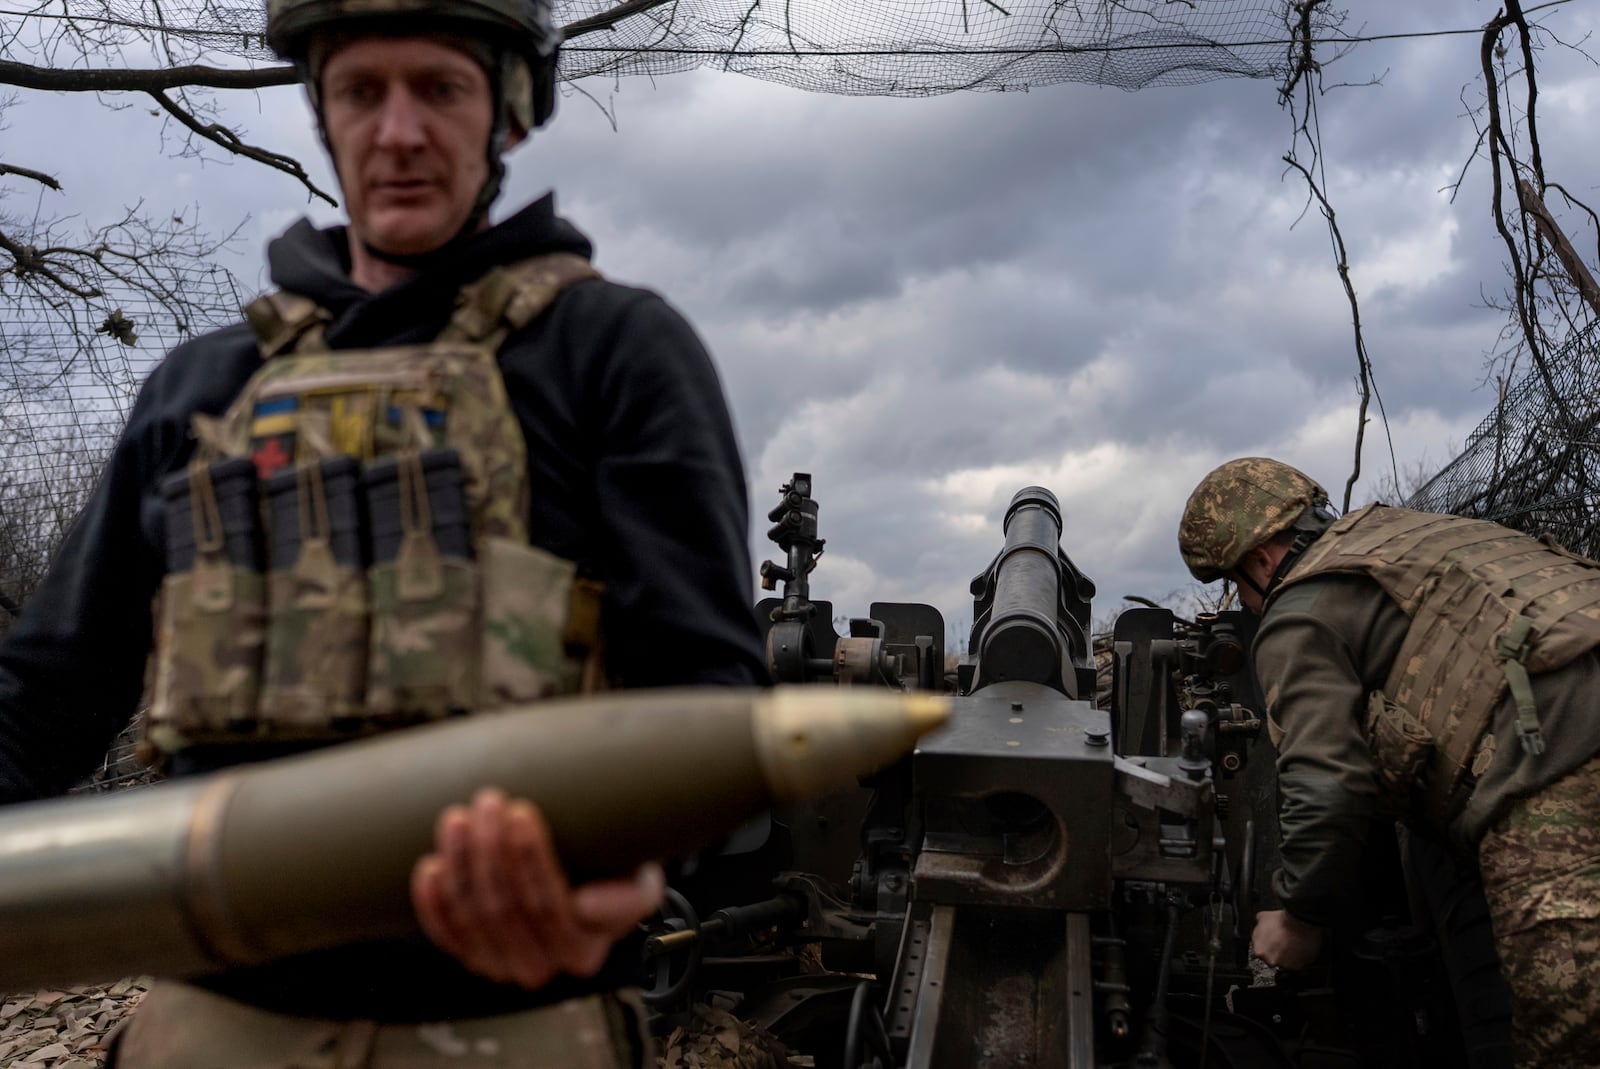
1442, 669
444, 467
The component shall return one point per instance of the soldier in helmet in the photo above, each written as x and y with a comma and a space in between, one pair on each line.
1437, 668
443, 467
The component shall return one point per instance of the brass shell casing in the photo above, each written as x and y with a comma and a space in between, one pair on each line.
316, 851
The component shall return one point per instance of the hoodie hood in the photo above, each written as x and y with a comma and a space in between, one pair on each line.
316, 264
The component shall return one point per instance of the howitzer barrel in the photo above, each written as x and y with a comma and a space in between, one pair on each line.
315, 851
1021, 640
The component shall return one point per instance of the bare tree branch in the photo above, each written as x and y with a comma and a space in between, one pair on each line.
81, 80
1503, 155
221, 135
1521, 252
1532, 462
1363, 362
1299, 94
28, 172
1477, 147
607, 20
28, 261
1594, 219
1550, 230
153, 263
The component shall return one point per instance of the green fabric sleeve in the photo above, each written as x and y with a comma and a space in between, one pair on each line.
1323, 645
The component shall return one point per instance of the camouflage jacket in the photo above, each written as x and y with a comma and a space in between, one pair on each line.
1324, 645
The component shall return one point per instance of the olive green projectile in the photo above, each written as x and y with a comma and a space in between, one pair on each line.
315, 851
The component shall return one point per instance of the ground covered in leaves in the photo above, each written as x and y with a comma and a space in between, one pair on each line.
712, 1038
65, 1029
69, 1029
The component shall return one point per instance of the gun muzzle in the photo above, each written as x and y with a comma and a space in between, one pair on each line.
309, 852
1020, 638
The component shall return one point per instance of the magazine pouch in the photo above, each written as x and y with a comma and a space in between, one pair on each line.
1401, 745
210, 625
541, 624
315, 677
423, 587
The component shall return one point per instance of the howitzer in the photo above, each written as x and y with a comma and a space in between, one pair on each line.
1050, 881
303, 853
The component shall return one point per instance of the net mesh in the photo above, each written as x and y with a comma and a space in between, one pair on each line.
69, 370
905, 48
1534, 462
937, 46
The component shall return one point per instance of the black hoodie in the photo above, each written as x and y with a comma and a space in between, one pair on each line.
633, 469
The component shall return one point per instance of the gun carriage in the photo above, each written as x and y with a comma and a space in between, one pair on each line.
1050, 881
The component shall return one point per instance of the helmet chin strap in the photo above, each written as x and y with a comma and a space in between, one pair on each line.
1302, 542
1308, 528
1242, 577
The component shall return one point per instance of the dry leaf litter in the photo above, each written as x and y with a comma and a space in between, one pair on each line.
65, 1029
713, 1038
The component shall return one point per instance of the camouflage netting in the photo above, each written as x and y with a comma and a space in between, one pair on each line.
67, 1029
1534, 462
922, 48
890, 48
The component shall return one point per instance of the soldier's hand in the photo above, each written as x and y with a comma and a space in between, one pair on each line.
494, 895
1282, 939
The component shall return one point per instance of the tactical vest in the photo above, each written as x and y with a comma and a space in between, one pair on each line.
1488, 606
349, 552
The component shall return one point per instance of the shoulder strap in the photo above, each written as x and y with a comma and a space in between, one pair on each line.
504, 300
510, 297
286, 321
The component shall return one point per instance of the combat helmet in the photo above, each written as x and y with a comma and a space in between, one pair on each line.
523, 30
1243, 504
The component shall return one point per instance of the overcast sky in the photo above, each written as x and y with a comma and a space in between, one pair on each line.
929, 304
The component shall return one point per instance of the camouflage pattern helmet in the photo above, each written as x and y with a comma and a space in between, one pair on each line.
1243, 504
524, 28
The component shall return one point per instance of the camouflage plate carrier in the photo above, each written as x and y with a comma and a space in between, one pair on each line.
349, 549
1488, 607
